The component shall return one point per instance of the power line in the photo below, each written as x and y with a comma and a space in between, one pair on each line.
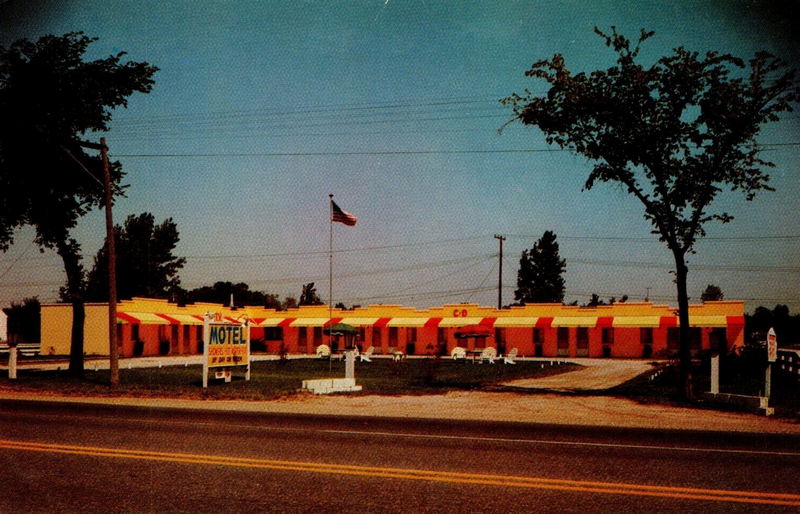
341, 154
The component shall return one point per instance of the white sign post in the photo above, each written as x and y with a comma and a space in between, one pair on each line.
772, 356
225, 345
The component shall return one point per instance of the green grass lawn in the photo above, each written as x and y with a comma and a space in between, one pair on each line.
275, 379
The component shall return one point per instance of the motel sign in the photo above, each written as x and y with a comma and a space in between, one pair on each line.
226, 345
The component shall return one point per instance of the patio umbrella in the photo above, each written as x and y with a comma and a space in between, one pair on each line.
473, 331
340, 329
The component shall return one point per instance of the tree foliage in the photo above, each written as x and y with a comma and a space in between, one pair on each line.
540, 268
50, 98
786, 325
595, 300
309, 295
24, 321
221, 293
146, 265
712, 293
673, 134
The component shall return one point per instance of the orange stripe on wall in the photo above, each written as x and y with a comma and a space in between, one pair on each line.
129, 319
487, 322
433, 323
668, 321
332, 321
605, 322
172, 321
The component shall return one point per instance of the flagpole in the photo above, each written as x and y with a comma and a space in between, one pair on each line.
330, 268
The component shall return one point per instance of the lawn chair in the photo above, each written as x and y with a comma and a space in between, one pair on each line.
488, 354
396, 354
323, 351
458, 353
365, 357
510, 356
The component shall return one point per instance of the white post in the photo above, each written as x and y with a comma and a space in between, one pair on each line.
247, 328
350, 364
12, 362
207, 318
715, 374
768, 381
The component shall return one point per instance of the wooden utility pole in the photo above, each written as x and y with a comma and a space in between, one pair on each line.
500, 273
112, 270
111, 254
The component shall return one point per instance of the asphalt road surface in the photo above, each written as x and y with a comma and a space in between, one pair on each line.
73, 458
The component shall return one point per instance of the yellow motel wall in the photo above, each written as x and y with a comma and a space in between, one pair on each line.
56, 325
623, 330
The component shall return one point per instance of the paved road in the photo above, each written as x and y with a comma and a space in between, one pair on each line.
73, 458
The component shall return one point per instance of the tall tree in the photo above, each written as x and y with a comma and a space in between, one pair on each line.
673, 134
309, 295
50, 98
221, 293
711, 293
540, 268
145, 263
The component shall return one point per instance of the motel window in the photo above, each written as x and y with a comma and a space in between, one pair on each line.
563, 337
695, 338
376, 337
362, 334
273, 333
302, 339
583, 337
608, 336
411, 334
673, 338
317, 336
646, 335
174, 331
187, 333
441, 337
499, 335
135, 332
718, 340
393, 337
538, 336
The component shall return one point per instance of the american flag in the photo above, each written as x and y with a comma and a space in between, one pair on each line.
341, 216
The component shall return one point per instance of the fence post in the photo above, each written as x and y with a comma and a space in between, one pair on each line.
12, 362
715, 374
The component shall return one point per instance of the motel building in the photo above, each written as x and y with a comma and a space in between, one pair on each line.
149, 327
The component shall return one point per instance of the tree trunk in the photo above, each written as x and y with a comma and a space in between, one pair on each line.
684, 389
74, 271
76, 343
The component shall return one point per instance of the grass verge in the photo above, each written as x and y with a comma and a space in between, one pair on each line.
277, 379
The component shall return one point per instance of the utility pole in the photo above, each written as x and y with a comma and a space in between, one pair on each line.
113, 349
500, 273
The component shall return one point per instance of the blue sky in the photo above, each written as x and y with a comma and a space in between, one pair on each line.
261, 109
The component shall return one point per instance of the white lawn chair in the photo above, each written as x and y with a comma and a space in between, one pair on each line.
365, 357
488, 354
323, 351
458, 353
396, 354
510, 356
